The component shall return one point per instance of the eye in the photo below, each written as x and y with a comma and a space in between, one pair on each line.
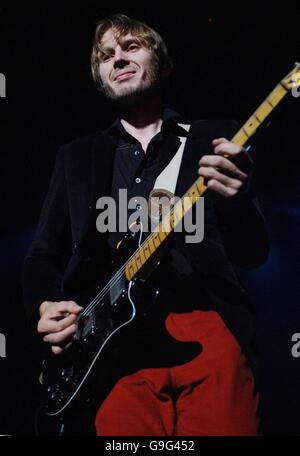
105, 57
132, 47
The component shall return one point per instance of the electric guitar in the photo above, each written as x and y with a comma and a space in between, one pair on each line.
117, 310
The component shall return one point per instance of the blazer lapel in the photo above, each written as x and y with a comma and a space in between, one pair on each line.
101, 170
102, 166
196, 147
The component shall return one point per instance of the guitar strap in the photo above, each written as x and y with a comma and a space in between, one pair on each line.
165, 184
167, 179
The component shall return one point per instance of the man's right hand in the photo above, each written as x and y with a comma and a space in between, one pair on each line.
58, 323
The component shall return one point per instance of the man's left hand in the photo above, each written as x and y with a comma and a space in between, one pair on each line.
221, 174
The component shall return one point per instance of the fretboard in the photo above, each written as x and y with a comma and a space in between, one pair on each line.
259, 116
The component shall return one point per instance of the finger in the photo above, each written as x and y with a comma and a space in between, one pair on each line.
221, 189
69, 306
212, 173
217, 141
47, 324
62, 336
56, 349
227, 148
223, 164
63, 308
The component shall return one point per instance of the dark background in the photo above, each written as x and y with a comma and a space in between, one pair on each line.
226, 62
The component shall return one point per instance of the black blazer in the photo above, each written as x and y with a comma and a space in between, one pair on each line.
68, 251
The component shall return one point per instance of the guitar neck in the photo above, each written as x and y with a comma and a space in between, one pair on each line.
259, 116
169, 221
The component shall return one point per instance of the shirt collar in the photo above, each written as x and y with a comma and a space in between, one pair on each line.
171, 119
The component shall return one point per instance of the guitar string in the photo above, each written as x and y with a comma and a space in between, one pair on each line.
89, 309
115, 278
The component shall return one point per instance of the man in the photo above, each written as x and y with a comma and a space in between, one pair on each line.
215, 392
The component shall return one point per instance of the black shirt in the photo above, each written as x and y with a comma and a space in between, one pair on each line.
136, 171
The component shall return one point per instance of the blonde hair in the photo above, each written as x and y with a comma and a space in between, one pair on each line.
122, 25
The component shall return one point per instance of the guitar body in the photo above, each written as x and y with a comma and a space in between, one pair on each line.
123, 333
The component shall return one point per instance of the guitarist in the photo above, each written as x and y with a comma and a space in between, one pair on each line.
215, 393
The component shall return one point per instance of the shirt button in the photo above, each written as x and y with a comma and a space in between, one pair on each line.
137, 180
136, 153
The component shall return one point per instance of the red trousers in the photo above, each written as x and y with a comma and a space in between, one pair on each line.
215, 391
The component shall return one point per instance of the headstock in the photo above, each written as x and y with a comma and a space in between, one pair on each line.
292, 80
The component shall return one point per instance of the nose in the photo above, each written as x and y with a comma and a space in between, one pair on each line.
120, 57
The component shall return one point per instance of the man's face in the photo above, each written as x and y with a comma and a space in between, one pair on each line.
127, 69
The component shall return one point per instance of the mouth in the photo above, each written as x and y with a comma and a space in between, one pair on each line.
125, 75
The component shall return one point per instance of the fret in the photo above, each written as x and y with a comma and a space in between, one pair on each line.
172, 219
178, 212
194, 191
200, 185
240, 138
187, 204
156, 240
162, 235
146, 251
192, 196
263, 111
151, 244
130, 270
251, 125
276, 96
167, 223
138, 260
134, 267
258, 120
245, 132
284, 85
143, 256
